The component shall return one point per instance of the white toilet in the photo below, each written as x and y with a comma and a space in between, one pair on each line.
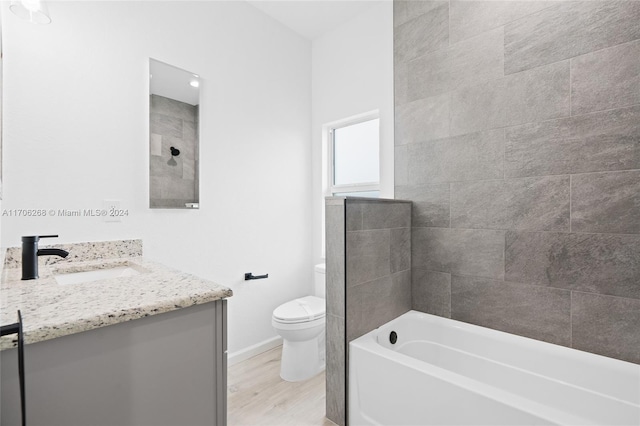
301, 324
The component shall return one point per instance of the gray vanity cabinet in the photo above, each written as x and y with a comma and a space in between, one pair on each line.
165, 369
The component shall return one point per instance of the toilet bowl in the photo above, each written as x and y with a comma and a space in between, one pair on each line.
301, 324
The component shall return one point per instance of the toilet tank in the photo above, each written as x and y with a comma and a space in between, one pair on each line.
319, 280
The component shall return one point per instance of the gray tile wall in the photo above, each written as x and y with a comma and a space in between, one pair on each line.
172, 123
368, 258
517, 132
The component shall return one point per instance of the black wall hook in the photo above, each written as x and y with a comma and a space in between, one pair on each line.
174, 151
249, 276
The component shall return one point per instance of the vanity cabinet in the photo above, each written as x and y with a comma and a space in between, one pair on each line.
164, 369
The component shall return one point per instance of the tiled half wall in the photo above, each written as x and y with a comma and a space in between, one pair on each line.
368, 280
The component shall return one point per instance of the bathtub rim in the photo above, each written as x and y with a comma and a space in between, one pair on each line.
478, 329
370, 343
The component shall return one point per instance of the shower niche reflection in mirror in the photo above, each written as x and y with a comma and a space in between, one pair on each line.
174, 98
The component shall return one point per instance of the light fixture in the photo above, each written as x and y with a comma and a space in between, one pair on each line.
194, 83
34, 11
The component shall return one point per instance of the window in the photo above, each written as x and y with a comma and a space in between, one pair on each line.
354, 157
351, 159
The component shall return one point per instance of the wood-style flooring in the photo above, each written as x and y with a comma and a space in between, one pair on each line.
258, 396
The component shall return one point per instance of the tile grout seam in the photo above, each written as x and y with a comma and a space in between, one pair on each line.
498, 179
571, 319
527, 231
570, 203
450, 208
504, 258
504, 154
570, 89
449, 23
510, 126
522, 283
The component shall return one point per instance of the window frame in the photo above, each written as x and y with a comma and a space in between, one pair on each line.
329, 134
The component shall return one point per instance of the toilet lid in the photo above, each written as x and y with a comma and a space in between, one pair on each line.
300, 310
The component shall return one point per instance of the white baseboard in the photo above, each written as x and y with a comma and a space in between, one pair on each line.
253, 350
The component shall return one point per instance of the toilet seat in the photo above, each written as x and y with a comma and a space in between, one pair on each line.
303, 310
293, 326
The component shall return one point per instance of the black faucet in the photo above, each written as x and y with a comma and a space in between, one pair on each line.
30, 253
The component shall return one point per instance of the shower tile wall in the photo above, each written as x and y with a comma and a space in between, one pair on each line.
518, 140
173, 123
368, 279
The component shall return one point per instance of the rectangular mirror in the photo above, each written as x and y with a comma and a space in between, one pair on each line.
174, 98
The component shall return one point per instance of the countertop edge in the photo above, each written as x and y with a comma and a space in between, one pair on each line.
190, 290
52, 332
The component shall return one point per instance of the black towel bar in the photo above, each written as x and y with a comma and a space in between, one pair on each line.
249, 276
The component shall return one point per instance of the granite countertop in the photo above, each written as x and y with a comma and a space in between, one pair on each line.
51, 310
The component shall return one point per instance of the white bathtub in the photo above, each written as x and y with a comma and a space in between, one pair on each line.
445, 372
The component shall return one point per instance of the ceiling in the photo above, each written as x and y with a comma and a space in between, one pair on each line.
172, 82
313, 18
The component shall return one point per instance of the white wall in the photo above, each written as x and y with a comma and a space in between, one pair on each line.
76, 132
352, 73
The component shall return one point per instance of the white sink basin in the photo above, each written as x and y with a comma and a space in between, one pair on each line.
95, 275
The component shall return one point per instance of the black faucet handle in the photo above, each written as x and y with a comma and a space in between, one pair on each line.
35, 238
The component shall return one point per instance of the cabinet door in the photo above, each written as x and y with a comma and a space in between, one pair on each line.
165, 369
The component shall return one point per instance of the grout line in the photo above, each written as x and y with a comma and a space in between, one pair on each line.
552, 4
353, 231
450, 297
570, 90
511, 126
504, 258
488, 30
532, 68
516, 283
519, 177
450, 184
450, 100
571, 319
570, 202
504, 51
565, 174
528, 231
504, 154
637, 40
539, 66
528, 123
449, 22
605, 295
